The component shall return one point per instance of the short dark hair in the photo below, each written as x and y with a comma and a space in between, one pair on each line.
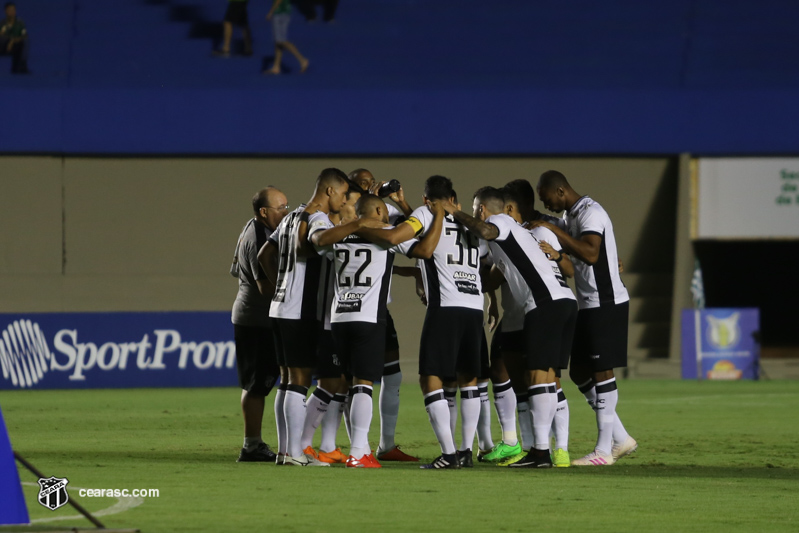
552, 179
9, 4
491, 197
353, 188
260, 199
454, 197
521, 192
438, 188
366, 202
356, 173
330, 177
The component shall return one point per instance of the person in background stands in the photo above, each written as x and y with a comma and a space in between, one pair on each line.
236, 14
280, 15
14, 40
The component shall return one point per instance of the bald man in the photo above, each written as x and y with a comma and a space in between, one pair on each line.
256, 358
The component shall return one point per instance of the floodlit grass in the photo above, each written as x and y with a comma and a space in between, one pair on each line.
712, 457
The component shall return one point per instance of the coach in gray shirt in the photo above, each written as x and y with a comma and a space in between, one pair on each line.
256, 358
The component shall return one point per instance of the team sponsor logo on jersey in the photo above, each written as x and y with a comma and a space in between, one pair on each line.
467, 287
350, 306
465, 276
53, 492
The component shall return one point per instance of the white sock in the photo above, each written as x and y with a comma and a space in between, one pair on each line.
484, 440
452, 402
436, 406
619, 432
607, 396
589, 392
294, 410
388, 403
315, 410
505, 404
347, 421
525, 421
361, 419
470, 414
251, 443
541, 398
331, 422
560, 424
280, 419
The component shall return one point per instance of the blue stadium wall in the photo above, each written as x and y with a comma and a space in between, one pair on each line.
410, 77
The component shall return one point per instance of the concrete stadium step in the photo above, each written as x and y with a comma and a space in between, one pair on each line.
650, 309
649, 335
641, 284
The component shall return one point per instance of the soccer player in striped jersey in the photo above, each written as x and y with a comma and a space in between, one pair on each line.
601, 334
550, 309
389, 401
295, 304
358, 315
453, 326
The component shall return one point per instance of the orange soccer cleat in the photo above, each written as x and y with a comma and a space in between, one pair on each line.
332, 457
367, 461
395, 454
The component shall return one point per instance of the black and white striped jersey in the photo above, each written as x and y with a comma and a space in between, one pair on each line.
598, 284
531, 277
297, 293
362, 271
452, 276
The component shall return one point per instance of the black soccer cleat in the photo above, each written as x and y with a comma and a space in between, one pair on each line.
443, 462
534, 459
465, 458
262, 454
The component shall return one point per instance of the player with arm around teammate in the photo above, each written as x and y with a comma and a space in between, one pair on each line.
549, 305
358, 315
601, 333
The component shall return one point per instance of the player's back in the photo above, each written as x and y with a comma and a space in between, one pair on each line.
452, 276
297, 289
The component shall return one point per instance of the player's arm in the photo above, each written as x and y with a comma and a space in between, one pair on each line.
331, 236
399, 199
485, 231
493, 280
406, 271
493, 310
392, 236
268, 258
585, 248
560, 257
427, 245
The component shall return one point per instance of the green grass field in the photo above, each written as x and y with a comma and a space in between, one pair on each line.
713, 457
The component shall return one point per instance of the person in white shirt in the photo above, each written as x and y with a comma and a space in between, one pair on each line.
601, 332
549, 306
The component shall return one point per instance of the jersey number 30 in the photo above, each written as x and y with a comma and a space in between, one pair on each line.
472, 251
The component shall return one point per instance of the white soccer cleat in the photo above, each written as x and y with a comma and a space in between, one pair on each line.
595, 458
625, 448
303, 460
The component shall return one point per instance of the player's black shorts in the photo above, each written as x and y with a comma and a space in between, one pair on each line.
328, 364
548, 334
256, 359
485, 359
392, 343
299, 338
510, 341
600, 337
236, 14
451, 342
361, 348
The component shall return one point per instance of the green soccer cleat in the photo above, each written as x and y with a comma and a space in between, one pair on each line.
511, 460
502, 451
560, 459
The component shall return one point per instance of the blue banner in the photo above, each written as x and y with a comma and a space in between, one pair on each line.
720, 343
116, 350
12, 508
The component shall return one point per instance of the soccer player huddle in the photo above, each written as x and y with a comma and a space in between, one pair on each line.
314, 285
